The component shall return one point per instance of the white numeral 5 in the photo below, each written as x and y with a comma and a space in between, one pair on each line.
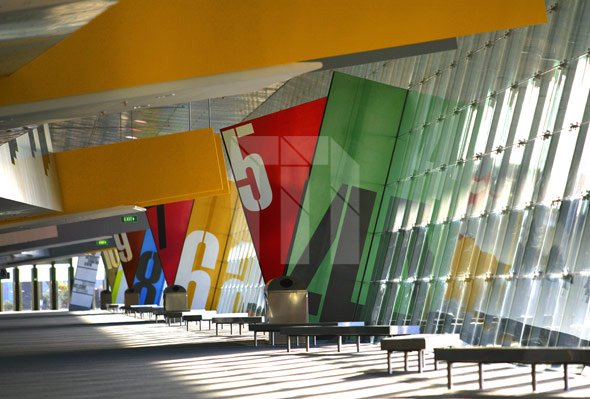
240, 165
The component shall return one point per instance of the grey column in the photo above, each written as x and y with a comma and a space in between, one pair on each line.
53, 284
17, 303
35, 288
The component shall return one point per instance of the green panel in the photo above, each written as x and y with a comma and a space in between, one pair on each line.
355, 147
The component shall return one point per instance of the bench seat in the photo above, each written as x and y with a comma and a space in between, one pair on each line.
419, 343
340, 331
528, 355
273, 328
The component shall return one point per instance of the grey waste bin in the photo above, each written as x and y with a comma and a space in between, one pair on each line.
131, 297
175, 299
106, 298
286, 301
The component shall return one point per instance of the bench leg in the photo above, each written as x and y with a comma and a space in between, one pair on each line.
288, 343
297, 341
358, 343
231, 329
240, 329
314, 341
420, 360
435, 365
216, 329
255, 340
272, 338
534, 376
565, 383
339, 342
307, 343
449, 378
187, 325
480, 374
199, 325
405, 360
389, 362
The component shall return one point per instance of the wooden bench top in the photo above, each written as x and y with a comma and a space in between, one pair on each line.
349, 330
276, 327
529, 355
420, 342
236, 319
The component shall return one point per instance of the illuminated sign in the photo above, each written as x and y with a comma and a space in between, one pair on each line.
129, 219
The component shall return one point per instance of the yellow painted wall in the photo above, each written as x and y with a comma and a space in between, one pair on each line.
142, 172
140, 42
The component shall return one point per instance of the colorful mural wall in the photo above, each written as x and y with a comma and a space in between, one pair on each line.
202, 245
312, 179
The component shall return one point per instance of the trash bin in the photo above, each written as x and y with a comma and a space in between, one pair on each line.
286, 301
175, 299
106, 298
131, 297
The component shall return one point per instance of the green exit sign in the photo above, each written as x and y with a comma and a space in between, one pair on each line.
129, 219
102, 243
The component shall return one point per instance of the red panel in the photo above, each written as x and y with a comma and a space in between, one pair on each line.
284, 142
130, 268
173, 218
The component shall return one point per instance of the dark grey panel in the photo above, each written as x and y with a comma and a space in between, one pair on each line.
83, 231
13, 209
388, 54
49, 254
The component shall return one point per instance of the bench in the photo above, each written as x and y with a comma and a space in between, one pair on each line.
239, 319
114, 307
350, 330
419, 343
273, 328
529, 355
198, 316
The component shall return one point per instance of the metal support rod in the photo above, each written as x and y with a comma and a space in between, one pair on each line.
534, 376
480, 374
17, 299
388, 362
405, 360
449, 378
565, 382
339, 342
358, 343
35, 288
53, 292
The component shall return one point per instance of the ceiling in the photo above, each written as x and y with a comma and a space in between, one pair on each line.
30, 27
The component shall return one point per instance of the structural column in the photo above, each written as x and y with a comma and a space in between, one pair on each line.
53, 287
70, 279
35, 288
16, 290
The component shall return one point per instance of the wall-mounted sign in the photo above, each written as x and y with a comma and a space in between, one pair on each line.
102, 243
129, 219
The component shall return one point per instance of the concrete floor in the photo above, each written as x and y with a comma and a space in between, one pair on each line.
104, 355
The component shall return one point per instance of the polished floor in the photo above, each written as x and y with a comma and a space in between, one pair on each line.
105, 355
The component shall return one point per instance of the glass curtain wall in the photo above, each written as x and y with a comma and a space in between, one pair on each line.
486, 234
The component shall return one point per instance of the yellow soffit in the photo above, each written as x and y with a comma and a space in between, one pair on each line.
144, 172
149, 42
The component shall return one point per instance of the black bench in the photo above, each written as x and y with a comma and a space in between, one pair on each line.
231, 320
344, 331
273, 328
529, 355
419, 343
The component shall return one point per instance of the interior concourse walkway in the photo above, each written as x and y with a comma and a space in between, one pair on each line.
104, 355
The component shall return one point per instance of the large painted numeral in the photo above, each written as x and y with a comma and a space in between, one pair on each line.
149, 272
122, 243
197, 282
240, 165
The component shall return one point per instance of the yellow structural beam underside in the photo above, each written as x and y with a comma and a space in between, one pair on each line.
142, 42
144, 172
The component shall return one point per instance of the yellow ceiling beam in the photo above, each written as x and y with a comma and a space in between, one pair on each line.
144, 42
143, 172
